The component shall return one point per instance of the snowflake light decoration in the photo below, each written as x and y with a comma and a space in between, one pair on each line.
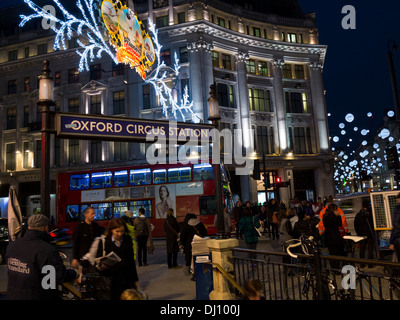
86, 27
96, 45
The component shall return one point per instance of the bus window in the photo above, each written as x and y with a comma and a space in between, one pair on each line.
139, 177
208, 205
160, 176
203, 171
101, 180
102, 211
134, 206
72, 213
120, 208
121, 178
179, 174
79, 181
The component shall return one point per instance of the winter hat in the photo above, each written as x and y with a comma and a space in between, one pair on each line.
38, 220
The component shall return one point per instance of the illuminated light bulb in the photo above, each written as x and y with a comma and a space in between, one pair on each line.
349, 117
384, 133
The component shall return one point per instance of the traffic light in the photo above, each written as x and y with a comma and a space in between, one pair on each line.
278, 182
267, 183
256, 171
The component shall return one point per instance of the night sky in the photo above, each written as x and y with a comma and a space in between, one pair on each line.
356, 72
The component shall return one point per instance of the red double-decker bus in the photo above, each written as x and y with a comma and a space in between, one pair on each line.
111, 192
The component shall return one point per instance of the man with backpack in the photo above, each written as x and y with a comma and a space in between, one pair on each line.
143, 234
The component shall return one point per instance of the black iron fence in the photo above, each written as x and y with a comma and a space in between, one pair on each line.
317, 276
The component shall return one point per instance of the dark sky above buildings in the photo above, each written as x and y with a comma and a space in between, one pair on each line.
356, 72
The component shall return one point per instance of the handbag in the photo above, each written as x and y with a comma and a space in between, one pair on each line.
259, 230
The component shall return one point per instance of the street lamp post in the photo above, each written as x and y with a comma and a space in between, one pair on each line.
45, 101
214, 117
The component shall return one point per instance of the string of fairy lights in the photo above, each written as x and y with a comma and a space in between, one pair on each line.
370, 157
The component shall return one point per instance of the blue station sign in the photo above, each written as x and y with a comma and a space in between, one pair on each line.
80, 126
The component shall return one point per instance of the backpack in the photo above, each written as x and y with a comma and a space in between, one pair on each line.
141, 228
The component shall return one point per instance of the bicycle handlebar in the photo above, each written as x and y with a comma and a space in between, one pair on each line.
302, 243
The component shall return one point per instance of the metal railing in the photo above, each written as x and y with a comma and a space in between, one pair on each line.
317, 277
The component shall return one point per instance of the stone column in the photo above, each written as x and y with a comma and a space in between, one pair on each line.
201, 76
171, 12
319, 107
151, 15
280, 131
221, 252
245, 119
244, 106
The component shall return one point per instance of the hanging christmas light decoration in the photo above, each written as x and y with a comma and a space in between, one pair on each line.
129, 43
349, 117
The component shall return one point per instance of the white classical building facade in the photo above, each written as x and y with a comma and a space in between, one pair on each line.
266, 64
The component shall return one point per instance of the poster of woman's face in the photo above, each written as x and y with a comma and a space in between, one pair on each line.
165, 199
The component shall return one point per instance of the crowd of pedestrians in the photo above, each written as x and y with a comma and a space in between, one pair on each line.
112, 254
322, 219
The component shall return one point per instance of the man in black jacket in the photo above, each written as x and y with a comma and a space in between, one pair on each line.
237, 214
35, 268
364, 226
84, 234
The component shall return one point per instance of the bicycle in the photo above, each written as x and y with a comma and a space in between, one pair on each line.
328, 284
323, 288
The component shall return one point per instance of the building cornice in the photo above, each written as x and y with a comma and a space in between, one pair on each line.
221, 36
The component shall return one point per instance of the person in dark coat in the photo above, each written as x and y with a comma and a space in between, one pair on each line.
190, 226
237, 214
171, 229
274, 218
84, 234
26, 259
123, 274
306, 226
363, 224
247, 226
334, 241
